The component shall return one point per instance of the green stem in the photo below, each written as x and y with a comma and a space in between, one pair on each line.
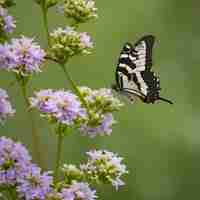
35, 137
58, 156
76, 89
12, 194
45, 19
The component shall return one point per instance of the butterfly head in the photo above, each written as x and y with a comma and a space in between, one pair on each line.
127, 47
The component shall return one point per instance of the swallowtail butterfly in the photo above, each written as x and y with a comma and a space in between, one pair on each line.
134, 75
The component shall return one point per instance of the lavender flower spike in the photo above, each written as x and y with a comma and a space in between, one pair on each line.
34, 184
22, 56
14, 159
59, 106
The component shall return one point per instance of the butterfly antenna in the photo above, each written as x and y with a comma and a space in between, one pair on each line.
165, 100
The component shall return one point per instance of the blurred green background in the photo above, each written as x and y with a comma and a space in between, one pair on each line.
160, 143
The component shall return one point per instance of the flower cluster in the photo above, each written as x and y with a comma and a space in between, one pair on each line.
105, 167
16, 169
34, 184
22, 56
7, 23
101, 104
6, 109
79, 10
67, 42
14, 160
59, 106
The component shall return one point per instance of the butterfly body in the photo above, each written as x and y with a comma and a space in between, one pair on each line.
134, 75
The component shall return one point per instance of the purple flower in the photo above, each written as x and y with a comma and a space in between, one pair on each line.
7, 21
101, 104
14, 159
34, 184
22, 56
105, 166
78, 191
104, 127
67, 194
5, 106
86, 40
62, 106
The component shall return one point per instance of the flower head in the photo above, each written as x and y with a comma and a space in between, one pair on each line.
34, 184
22, 56
105, 166
101, 104
14, 160
60, 106
6, 109
67, 42
78, 191
7, 23
79, 10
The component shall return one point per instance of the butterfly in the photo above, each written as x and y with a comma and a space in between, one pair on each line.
134, 75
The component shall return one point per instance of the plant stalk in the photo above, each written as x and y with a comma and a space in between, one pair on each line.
35, 137
12, 194
45, 20
76, 89
58, 155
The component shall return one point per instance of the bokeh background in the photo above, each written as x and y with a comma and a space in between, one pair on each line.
160, 143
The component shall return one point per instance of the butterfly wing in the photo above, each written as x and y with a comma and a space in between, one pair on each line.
129, 87
143, 49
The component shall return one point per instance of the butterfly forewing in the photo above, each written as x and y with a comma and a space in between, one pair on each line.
144, 48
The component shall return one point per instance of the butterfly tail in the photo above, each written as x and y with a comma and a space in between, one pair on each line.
165, 100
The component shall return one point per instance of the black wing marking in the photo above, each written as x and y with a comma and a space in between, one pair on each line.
144, 49
123, 65
153, 86
129, 88
138, 57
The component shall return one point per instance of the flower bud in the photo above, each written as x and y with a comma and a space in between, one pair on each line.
51, 3
71, 172
67, 42
79, 10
